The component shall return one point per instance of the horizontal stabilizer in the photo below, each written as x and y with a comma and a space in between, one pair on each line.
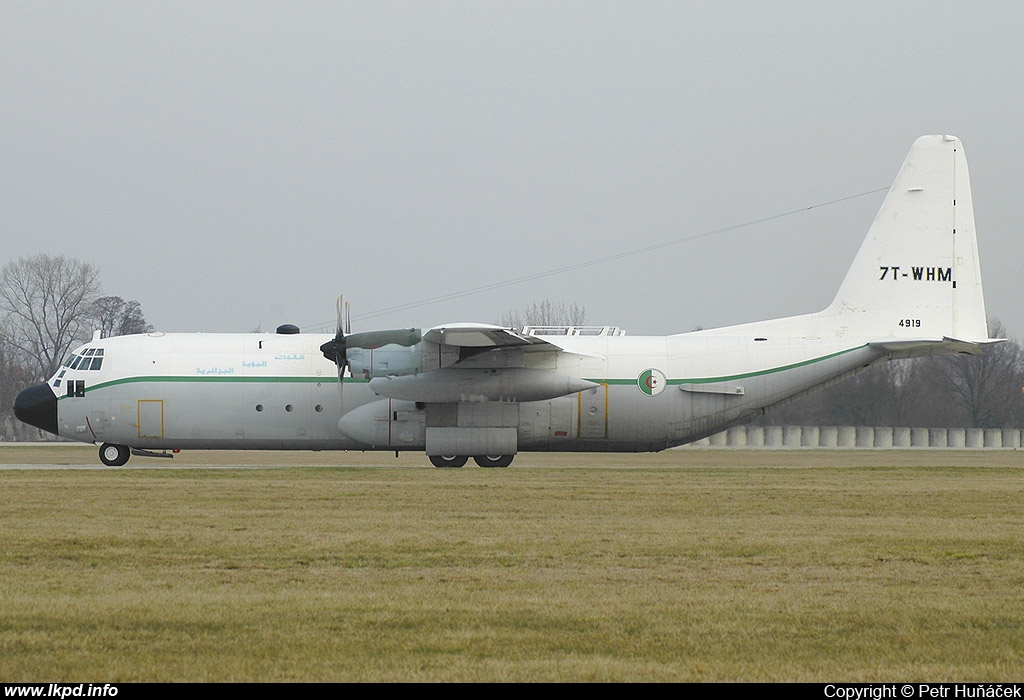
921, 347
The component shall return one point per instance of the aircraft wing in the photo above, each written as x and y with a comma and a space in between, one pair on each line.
482, 335
482, 375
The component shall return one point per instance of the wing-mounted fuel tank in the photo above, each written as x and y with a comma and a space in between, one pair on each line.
456, 385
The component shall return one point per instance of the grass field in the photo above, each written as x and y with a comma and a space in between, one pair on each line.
688, 565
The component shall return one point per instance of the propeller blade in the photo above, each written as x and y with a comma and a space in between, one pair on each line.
336, 351
340, 311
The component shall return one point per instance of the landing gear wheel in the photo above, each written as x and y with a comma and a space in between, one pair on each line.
494, 461
114, 455
448, 461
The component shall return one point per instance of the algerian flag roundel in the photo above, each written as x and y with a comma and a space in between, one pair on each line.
652, 382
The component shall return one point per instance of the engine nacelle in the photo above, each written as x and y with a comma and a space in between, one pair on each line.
388, 360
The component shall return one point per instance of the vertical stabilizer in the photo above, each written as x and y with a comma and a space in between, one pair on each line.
917, 274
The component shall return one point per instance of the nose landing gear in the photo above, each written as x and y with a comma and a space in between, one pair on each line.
114, 455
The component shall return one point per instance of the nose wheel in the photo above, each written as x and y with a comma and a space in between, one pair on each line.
114, 455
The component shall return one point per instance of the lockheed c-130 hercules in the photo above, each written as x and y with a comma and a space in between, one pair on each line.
485, 392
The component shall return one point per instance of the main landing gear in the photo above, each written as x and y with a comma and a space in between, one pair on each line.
455, 461
493, 460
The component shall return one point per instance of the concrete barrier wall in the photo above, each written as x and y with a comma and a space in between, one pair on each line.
901, 437
865, 436
956, 437
828, 436
794, 436
810, 437
919, 437
847, 436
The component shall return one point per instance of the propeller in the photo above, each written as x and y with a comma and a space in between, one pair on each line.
336, 349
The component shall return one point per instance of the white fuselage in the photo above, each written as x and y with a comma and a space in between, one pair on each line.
268, 391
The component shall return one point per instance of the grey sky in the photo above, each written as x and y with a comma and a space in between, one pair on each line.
235, 164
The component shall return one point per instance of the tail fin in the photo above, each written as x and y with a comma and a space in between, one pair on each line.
917, 274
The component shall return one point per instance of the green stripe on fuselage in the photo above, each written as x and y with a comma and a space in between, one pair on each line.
222, 379
248, 379
734, 377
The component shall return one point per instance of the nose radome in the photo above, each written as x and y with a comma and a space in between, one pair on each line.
37, 406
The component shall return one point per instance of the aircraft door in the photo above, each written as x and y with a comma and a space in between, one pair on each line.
151, 418
593, 412
97, 421
547, 424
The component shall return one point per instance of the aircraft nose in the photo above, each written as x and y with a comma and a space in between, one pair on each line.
37, 406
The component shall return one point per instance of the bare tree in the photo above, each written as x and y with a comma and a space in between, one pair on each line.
987, 388
951, 391
13, 378
115, 316
545, 313
866, 398
46, 300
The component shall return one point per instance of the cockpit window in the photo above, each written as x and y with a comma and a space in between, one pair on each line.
90, 358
